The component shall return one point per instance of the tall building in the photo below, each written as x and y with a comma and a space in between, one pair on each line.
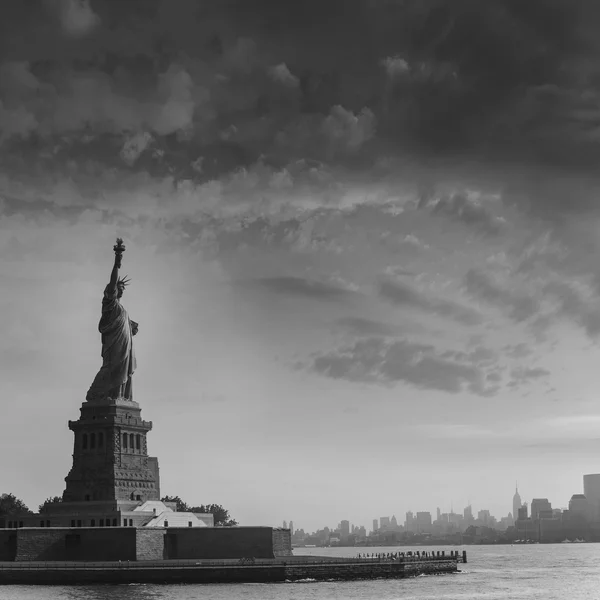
591, 490
345, 528
394, 523
375, 525
285, 525
439, 513
409, 524
516, 502
468, 515
483, 516
424, 522
578, 505
384, 523
291, 527
538, 505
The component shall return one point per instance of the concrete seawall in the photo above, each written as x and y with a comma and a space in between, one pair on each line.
290, 569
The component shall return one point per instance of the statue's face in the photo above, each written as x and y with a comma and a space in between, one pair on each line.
120, 290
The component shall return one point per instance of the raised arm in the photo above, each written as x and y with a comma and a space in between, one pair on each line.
119, 248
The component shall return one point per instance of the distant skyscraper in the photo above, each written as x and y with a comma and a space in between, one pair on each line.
291, 527
523, 512
345, 528
483, 516
394, 523
285, 525
409, 524
539, 504
384, 523
375, 525
516, 502
591, 490
468, 514
579, 505
424, 522
439, 513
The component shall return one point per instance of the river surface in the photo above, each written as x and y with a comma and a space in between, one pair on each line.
548, 572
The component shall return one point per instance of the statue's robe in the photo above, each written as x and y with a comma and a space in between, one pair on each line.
118, 357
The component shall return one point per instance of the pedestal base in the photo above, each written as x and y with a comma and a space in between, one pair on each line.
110, 455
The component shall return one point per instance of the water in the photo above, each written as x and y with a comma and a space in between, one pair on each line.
548, 572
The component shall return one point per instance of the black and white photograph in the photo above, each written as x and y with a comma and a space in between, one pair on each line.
299, 299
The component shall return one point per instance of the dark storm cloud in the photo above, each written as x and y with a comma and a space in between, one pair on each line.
567, 299
521, 350
401, 294
522, 376
459, 206
300, 287
362, 327
229, 81
375, 360
573, 306
520, 306
526, 373
494, 377
480, 355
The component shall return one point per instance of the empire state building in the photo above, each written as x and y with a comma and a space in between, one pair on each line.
516, 503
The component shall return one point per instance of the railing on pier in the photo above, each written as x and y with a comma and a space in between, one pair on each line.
416, 556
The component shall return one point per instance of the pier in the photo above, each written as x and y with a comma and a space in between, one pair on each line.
246, 570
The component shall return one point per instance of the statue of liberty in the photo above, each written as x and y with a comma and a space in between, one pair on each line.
117, 330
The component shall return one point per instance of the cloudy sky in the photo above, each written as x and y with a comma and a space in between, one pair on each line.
363, 237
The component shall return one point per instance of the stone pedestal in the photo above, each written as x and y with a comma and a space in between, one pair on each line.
111, 465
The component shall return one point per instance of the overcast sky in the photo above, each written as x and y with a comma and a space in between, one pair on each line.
363, 238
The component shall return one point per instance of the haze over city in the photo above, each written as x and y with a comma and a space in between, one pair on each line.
366, 275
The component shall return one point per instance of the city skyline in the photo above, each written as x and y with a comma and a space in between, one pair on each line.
590, 481
365, 274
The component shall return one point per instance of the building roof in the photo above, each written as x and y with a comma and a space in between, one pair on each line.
155, 506
169, 518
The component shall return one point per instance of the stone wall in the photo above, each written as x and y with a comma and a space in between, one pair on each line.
79, 544
40, 544
219, 542
150, 544
8, 544
141, 544
282, 542
324, 571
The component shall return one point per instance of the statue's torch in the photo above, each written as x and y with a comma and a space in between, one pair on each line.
119, 248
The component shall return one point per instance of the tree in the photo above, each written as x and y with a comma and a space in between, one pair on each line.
11, 505
220, 514
44, 508
181, 505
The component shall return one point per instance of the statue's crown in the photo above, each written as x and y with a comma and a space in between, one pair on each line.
123, 281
